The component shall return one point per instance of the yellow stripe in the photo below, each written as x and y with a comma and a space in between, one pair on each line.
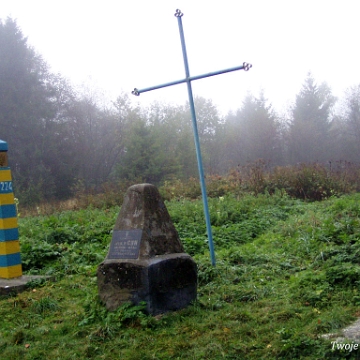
5, 175
11, 272
9, 247
7, 199
9, 223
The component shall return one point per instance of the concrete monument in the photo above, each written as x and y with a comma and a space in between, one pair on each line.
146, 260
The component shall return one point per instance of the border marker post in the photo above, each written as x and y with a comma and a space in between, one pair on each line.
10, 259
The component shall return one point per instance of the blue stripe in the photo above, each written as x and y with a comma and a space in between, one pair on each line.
3, 145
9, 234
6, 187
8, 211
10, 260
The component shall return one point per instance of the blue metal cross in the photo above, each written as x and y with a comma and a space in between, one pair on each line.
188, 79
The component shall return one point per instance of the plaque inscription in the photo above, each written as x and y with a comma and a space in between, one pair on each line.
125, 244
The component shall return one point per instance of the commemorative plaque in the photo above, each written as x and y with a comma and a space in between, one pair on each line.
125, 244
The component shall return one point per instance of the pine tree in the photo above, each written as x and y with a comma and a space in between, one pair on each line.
309, 130
25, 107
252, 133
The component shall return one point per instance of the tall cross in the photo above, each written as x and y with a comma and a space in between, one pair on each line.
187, 80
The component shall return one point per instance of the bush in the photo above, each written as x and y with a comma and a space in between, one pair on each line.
311, 182
304, 181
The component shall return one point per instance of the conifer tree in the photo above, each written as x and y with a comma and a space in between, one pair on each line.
309, 130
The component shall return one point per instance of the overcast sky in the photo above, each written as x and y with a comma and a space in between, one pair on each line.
121, 44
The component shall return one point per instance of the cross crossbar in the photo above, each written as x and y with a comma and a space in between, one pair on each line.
244, 66
188, 79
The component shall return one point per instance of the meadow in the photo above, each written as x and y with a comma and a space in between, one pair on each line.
287, 272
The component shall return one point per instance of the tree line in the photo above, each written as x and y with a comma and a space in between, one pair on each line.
62, 139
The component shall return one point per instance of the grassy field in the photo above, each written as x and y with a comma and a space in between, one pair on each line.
287, 272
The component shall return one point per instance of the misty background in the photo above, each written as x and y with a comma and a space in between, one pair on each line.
64, 137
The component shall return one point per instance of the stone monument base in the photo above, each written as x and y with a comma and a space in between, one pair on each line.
165, 282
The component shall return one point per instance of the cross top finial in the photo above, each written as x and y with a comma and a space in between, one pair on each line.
178, 13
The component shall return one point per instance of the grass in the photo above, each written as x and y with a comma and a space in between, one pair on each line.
287, 272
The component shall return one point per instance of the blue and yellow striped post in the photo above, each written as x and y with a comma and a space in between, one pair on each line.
10, 260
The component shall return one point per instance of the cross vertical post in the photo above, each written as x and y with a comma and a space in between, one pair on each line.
187, 80
178, 15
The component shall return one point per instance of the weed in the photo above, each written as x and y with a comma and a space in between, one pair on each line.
287, 272
45, 305
18, 337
